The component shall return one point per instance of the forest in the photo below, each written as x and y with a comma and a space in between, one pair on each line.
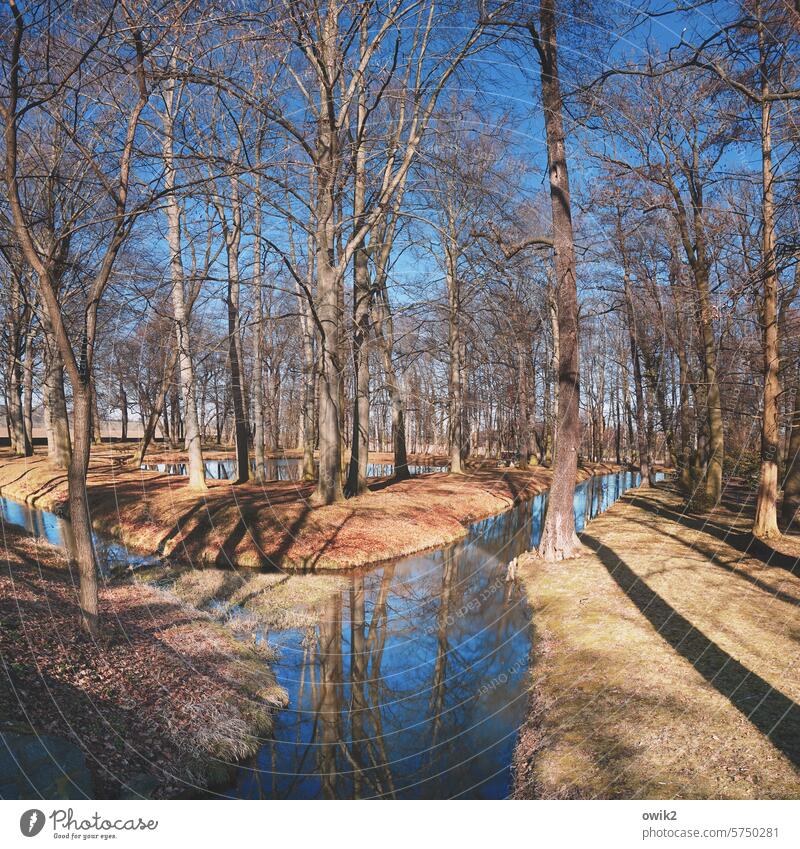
338, 323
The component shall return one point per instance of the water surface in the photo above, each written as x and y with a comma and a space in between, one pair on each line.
280, 469
414, 685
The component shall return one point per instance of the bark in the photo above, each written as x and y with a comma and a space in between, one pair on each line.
791, 481
309, 385
523, 402
235, 359
27, 391
180, 309
80, 519
362, 296
59, 442
559, 540
329, 484
16, 421
455, 374
97, 435
765, 523
258, 341
123, 410
385, 340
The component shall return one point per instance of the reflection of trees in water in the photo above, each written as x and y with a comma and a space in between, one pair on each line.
390, 696
428, 694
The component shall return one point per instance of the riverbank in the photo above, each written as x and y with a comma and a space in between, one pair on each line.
665, 660
163, 703
273, 523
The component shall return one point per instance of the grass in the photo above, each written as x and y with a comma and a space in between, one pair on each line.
273, 524
665, 661
249, 601
165, 692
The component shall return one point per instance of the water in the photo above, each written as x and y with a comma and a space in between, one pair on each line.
282, 469
414, 685
41, 524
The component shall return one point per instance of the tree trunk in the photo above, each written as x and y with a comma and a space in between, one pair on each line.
97, 434
455, 376
59, 442
235, 359
523, 431
80, 518
559, 540
765, 524
27, 389
180, 311
329, 484
123, 410
362, 296
791, 481
258, 342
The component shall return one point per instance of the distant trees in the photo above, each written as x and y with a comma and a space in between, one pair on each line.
318, 231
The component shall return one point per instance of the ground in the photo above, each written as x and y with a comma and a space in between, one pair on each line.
164, 701
273, 523
665, 661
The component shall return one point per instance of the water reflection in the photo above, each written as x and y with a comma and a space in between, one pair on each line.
413, 685
41, 524
280, 469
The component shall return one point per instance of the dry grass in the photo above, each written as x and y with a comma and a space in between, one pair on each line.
248, 601
665, 662
273, 523
165, 691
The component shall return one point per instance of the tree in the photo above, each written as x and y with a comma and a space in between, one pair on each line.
58, 85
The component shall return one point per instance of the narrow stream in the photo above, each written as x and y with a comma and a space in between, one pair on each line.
280, 469
42, 524
414, 684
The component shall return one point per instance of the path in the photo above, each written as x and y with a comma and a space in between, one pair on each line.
667, 661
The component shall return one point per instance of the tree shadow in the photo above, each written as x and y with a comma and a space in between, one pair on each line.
714, 558
743, 541
768, 709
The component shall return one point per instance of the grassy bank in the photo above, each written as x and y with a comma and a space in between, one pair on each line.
273, 523
166, 699
665, 661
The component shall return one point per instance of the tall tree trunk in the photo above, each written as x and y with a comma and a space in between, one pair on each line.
258, 340
791, 480
329, 484
16, 421
59, 441
97, 434
80, 518
559, 540
455, 375
524, 438
180, 310
642, 435
309, 386
235, 359
362, 296
765, 523
123, 410
27, 390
